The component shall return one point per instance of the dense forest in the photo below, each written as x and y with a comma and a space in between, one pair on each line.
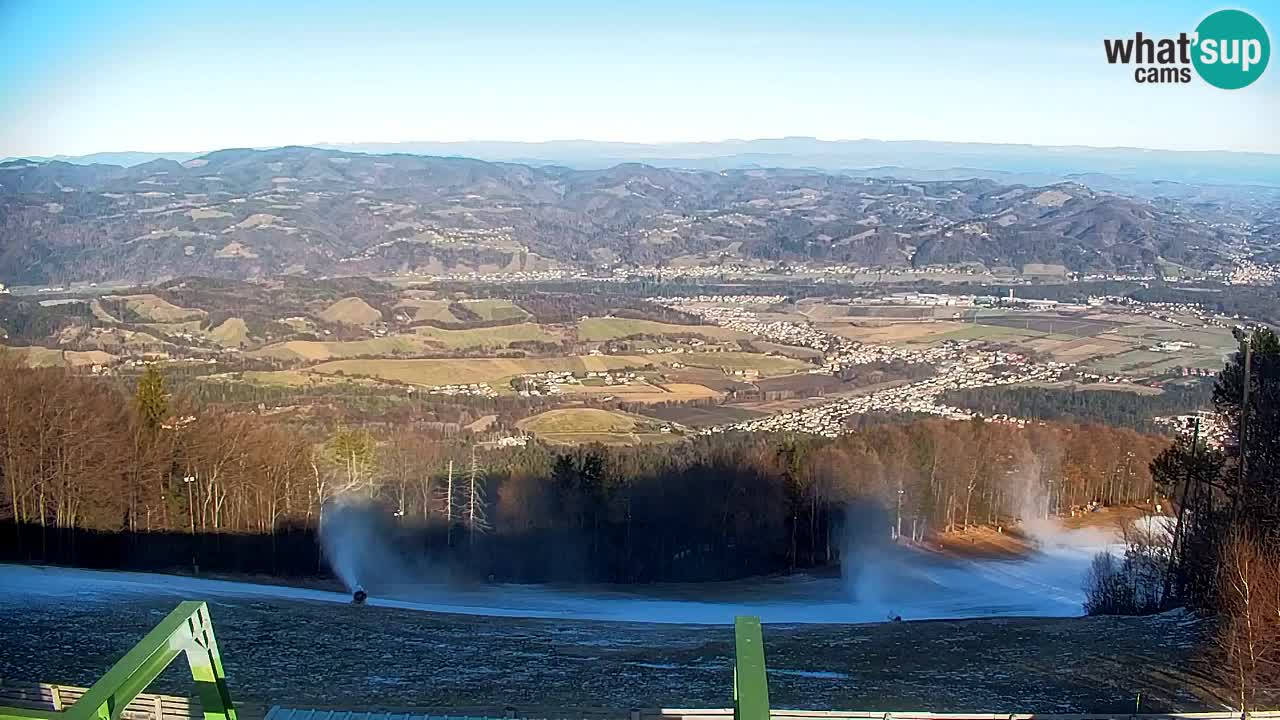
1222, 557
1104, 405
86, 455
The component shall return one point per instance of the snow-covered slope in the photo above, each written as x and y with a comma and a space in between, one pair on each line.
896, 583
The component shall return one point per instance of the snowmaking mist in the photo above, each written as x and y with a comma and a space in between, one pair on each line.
366, 550
880, 579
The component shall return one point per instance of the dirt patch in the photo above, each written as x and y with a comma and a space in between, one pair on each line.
985, 543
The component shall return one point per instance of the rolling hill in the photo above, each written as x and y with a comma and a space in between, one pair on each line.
243, 213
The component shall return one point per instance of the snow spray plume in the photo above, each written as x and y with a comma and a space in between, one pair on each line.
358, 541
866, 555
1038, 506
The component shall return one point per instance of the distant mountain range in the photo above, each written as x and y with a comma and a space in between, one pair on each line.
250, 213
920, 160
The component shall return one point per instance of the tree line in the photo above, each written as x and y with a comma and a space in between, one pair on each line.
1100, 404
81, 454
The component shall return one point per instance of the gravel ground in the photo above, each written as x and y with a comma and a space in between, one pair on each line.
309, 654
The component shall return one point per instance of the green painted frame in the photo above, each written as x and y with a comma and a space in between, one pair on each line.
187, 630
750, 682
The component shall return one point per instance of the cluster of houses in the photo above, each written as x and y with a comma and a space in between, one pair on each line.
1093, 377
967, 370
1172, 346
470, 389
1246, 272
958, 365
1213, 428
550, 382
721, 302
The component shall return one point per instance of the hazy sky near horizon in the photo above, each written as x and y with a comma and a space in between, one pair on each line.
93, 76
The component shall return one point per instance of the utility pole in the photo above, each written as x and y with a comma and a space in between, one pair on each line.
188, 480
471, 502
1244, 405
1176, 550
448, 505
897, 532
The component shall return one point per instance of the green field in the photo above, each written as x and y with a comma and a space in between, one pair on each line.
290, 378
314, 350
602, 329
990, 333
768, 365
233, 332
435, 310
152, 308
496, 309
423, 340
579, 420
1148, 361
450, 371
494, 337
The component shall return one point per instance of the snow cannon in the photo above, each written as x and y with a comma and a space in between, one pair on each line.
358, 596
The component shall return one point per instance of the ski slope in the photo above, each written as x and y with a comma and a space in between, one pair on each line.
911, 585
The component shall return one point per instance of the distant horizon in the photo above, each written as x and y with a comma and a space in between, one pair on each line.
339, 145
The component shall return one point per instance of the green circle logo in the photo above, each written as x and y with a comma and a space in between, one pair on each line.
1232, 49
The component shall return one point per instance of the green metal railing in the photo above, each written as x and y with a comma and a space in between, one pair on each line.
187, 630
750, 683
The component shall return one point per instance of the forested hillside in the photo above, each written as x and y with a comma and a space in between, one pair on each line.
248, 213
78, 453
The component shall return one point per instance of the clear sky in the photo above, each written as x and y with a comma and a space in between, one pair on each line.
81, 77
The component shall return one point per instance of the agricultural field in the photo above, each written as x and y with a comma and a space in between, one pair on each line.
611, 328
1109, 343
316, 350
497, 371
232, 332
579, 420
36, 356
1077, 351
594, 425
293, 379
696, 416
906, 332
1141, 362
493, 337
644, 392
491, 310
1070, 325
422, 340
988, 333
767, 365
152, 308
419, 309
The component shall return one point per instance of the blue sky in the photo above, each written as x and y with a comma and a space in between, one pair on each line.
81, 77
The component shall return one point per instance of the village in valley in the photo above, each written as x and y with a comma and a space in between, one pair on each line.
639, 368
